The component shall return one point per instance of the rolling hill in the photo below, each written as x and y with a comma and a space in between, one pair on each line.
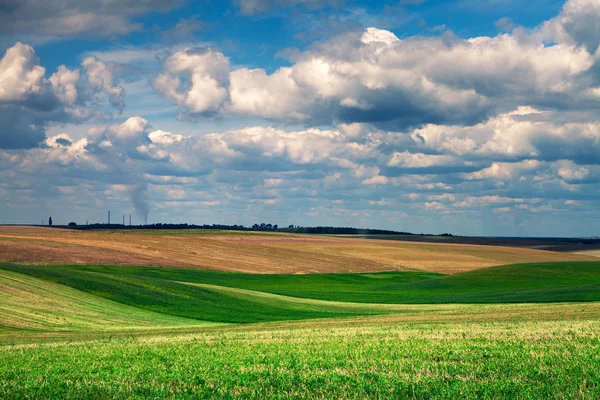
244, 298
255, 252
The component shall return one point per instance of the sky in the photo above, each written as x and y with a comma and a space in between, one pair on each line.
429, 116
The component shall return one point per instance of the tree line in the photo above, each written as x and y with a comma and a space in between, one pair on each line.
262, 227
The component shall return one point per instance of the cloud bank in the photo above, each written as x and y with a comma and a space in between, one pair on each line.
480, 135
375, 77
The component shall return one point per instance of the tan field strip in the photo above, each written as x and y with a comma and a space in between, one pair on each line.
255, 253
593, 253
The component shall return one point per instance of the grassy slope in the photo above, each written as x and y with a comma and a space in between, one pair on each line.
166, 291
33, 307
190, 301
36, 310
372, 359
426, 351
547, 282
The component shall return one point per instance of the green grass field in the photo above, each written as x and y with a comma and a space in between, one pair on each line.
167, 290
370, 359
519, 331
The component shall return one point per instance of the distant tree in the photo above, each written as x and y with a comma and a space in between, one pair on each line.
50, 221
275, 227
291, 227
72, 224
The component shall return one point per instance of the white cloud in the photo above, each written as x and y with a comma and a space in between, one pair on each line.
521, 134
419, 160
29, 101
418, 129
577, 24
376, 77
442, 197
206, 74
374, 35
273, 182
64, 83
101, 78
21, 76
301, 171
62, 140
165, 138
503, 171
377, 180
569, 171
382, 202
477, 201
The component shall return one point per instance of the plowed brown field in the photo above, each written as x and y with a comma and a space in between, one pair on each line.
254, 253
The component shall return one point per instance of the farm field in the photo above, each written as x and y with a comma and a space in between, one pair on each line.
525, 330
255, 252
593, 253
61, 342
235, 297
369, 359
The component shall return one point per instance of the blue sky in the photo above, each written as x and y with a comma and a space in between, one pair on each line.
477, 118
255, 40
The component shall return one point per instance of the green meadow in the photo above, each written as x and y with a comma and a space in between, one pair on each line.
518, 331
172, 291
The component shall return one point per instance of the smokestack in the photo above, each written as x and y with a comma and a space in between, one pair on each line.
129, 219
123, 219
109, 217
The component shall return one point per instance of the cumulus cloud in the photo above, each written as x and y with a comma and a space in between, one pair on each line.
20, 74
197, 79
101, 79
578, 24
517, 135
64, 18
419, 160
504, 171
306, 169
30, 101
328, 149
375, 77
571, 172
64, 83
438, 129
370, 160
131, 132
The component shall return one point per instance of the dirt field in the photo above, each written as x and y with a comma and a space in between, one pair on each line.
593, 253
254, 253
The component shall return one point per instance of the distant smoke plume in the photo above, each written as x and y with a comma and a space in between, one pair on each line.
139, 197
